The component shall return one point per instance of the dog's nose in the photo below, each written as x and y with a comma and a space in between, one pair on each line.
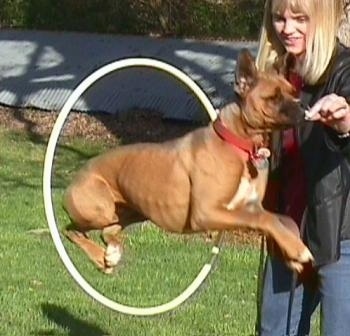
304, 106
297, 111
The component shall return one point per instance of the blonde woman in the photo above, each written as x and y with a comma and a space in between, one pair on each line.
313, 166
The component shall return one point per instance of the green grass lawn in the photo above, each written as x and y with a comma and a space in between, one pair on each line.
38, 296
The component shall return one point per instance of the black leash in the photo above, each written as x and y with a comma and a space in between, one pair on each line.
293, 284
259, 288
260, 284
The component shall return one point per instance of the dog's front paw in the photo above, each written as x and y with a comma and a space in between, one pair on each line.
112, 256
297, 263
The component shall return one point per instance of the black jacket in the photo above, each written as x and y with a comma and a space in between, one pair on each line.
327, 168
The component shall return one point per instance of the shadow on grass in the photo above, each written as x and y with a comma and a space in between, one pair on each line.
64, 319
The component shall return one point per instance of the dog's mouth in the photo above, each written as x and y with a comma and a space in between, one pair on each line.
305, 108
308, 113
296, 112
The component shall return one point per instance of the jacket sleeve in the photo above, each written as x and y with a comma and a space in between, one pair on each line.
340, 85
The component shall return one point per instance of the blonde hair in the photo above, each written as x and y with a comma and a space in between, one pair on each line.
324, 16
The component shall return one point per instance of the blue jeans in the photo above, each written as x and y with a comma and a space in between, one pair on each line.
331, 290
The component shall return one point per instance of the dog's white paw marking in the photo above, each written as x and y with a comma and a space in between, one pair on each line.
306, 256
295, 266
112, 255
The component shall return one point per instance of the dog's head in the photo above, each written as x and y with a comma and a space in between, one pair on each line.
268, 100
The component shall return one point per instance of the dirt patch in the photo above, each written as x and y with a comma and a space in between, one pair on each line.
135, 126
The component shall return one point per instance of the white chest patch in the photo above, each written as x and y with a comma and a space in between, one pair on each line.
246, 193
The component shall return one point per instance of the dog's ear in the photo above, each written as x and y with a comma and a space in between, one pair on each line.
246, 73
285, 64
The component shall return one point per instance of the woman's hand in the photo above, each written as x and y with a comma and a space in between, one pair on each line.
333, 111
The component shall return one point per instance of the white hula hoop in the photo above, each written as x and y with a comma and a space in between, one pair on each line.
47, 174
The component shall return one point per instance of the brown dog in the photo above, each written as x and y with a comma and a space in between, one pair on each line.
213, 178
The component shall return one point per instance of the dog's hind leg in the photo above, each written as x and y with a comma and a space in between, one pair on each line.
104, 258
95, 252
113, 252
90, 205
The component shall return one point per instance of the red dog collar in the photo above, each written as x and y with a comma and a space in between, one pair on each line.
256, 155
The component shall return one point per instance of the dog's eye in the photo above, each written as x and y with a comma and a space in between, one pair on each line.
275, 96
